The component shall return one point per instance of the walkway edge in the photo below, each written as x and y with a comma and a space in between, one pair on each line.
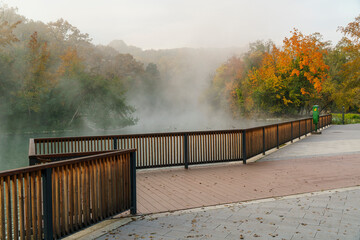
106, 226
99, 229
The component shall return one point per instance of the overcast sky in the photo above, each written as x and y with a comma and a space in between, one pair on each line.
194, 23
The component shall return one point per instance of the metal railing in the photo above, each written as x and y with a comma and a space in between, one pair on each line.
52, 200
183, 148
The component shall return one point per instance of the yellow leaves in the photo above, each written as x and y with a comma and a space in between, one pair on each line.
286, 101
70, 60
6, 32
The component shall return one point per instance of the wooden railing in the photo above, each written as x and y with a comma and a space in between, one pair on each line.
52, 200
184, 148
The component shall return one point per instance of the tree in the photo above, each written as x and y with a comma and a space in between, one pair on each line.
291, 78
37, 80
226, 80
350, 45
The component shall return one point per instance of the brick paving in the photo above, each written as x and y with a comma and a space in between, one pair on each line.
306, 170
174, 189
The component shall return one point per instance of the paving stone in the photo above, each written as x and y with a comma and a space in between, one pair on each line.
253, 222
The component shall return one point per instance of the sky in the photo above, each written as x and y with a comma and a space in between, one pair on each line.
163, 24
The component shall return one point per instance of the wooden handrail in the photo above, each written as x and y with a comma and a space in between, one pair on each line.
50, 201
180, 148
61, 163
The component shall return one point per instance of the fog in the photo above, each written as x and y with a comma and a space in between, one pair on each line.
179, 104
165, 24
187, 40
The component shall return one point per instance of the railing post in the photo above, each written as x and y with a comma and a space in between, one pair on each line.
299, 129
263, 140
186, 151
292, 135
133, 209
32, 160
244, 146
47, 203
277, 136
32, 152
115, 143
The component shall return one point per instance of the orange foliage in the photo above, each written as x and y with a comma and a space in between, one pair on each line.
70, 61
307, 50
285, 71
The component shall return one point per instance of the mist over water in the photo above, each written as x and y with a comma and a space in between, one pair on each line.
178, 105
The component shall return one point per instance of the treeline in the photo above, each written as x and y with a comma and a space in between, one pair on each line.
53, 77
291, 78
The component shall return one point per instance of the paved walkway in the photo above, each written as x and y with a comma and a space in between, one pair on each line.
326, 215
309, 169
316, 163
335, 140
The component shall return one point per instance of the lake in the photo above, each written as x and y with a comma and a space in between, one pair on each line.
14, 147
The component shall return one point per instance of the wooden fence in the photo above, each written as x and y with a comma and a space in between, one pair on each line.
183, 148
52, 200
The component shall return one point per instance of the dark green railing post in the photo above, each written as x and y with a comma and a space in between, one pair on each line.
32, 160
244, 146
133, 208
47, 203
186, 151
264, 140
277, 136
115, 140
292, 135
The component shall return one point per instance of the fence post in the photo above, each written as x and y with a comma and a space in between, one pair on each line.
292, 135
186, 152
47, 203
263, 140
244, 145
299, 129
32, 160
115, 143
133, 209
277, 136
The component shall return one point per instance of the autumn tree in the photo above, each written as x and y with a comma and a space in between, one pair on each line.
37, 80
291, 78
349, 94
229, 88
222, 92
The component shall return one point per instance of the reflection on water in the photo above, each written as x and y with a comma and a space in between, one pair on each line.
14, 147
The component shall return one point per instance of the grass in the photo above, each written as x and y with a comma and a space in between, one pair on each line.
350, 118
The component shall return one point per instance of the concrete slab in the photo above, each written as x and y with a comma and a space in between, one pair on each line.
334, 140
257, 226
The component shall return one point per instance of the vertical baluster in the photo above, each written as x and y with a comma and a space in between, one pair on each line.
21, 205
71, 197
38, 205
2, 209
66, 198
